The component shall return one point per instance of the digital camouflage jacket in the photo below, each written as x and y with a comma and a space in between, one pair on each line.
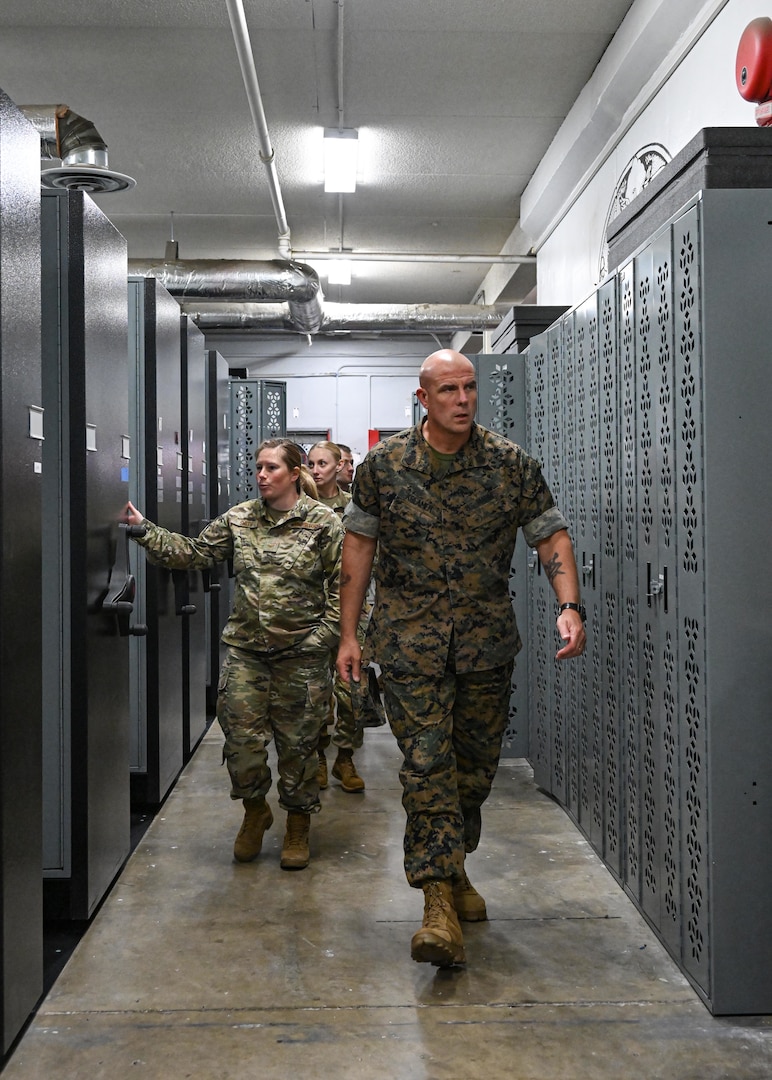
445, 547
287, 573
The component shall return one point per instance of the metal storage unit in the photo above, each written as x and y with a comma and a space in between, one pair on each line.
85, 485
195, 512
670, 704
21, 417
258, 411
218, 496
156, 479
501, 408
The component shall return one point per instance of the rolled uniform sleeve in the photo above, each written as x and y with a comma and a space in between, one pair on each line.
551, 521
357, 521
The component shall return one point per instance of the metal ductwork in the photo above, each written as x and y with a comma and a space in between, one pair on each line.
293, 283
77, 143
342, 318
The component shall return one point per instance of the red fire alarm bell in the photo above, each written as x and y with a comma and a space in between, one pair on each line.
753, 69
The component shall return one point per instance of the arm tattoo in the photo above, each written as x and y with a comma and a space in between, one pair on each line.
345, 579
553, 568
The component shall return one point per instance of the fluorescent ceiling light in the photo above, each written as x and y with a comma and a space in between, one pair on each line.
339, 272
340, 159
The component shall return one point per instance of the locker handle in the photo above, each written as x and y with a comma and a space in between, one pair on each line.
656, 585
181, 596
119, 601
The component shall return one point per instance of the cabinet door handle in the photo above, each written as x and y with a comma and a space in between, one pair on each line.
657, 586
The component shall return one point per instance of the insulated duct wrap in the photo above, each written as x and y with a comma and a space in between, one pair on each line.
390, 318
289, 282
66, 135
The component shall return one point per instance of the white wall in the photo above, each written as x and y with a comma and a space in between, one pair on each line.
692, 88
346, 387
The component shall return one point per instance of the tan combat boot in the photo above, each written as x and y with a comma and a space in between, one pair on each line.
469, 905
257, 818
344, 770
295, 853
321, 772
439, 941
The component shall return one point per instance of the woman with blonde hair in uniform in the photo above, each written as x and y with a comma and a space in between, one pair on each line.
275, 681
324, 462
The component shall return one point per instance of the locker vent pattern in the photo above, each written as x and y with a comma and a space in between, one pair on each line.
244, 434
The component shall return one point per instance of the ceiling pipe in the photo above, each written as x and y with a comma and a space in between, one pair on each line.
339, 318
267, 155
418, 257
292, 283
77, 143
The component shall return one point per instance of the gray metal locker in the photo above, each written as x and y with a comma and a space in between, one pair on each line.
85, 486
258, 411
218, 496
601, 578
156, 477
501, 408
21, 434
586, 717
539, 638
195, 512
679, 677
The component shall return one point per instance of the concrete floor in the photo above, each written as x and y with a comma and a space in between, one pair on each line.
196, 966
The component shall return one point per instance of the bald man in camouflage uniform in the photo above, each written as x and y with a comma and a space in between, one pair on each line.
444, 501
276, 680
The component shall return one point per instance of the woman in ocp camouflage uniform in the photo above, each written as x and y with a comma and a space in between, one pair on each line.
324, 462
275, 681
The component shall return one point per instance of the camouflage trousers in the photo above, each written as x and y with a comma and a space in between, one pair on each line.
449, 728
282, 696
350, 719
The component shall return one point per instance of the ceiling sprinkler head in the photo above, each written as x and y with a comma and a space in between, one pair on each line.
91, 178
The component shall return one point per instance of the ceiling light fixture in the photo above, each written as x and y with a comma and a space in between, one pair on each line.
340, 159
338, 272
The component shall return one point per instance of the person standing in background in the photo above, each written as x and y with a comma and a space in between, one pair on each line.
346, 467
324, 460
275, 680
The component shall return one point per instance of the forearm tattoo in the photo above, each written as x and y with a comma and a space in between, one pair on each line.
553, 568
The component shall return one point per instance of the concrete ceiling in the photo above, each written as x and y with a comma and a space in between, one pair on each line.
455, 102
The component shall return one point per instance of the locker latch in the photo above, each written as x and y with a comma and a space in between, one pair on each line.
122, 589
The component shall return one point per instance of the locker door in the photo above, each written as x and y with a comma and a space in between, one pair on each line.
194, 515
501, 408
258, 411
156, 489
687, 896
559, 464
85, 657
539, 638
21, 432
657, 721
585, 674
630, 601
218, 496
606, 579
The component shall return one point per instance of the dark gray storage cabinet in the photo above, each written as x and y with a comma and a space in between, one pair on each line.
158, 731
21, 431
649, 406
85, 679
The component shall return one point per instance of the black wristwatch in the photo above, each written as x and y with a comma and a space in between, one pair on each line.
574, 607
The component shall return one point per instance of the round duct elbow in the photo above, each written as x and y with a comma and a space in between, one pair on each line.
274, 280
82, 150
